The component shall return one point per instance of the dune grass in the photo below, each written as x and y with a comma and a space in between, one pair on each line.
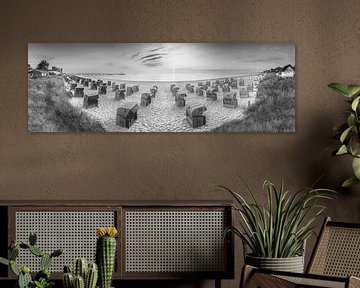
49, 109
274, 111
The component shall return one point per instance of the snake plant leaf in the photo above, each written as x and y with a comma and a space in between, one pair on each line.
356, 167
355, 103
278, 228
349, 182
354, 90
342, 150
340, 88
345, 134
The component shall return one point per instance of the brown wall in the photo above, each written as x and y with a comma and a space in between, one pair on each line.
179, 166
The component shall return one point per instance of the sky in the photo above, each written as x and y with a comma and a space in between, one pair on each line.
166, 58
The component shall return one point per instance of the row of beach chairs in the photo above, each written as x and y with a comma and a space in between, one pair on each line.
127, 113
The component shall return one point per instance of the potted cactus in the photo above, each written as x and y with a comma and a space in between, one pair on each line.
84, 275
42, 278
106, 254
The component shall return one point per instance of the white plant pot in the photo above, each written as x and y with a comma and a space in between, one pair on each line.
291, 264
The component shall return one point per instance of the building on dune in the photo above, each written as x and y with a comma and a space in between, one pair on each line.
34, 73
287, 71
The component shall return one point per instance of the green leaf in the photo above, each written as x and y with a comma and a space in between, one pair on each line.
45, 261
13, 253
354, 143
279, 228
356, 167
345, 134
353, 89
14, 268
351, 120
342, 150
355, 103
349, 182
4, 261
36, 251
340, 88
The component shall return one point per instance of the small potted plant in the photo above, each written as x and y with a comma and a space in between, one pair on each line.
275, 233
84, 274
106, 254
42, 278
348, 132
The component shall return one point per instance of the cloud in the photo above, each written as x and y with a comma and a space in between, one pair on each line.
149, 58
156, 49
135, 55
158, 55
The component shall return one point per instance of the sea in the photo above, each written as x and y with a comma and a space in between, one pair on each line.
166, 77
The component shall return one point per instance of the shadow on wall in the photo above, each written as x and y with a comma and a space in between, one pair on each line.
335, 170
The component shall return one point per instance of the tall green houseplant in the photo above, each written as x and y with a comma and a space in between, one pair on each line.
279, 228
348, 132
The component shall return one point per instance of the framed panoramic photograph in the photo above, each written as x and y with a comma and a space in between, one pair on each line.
161, 87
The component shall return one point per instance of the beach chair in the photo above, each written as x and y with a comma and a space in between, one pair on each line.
126, 114
230, 101
145, 99
335, 262
194, 114
180, 100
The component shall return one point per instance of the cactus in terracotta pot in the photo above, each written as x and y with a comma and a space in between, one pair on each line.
106, 254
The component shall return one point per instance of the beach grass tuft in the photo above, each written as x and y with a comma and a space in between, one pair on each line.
274, 111
49, 109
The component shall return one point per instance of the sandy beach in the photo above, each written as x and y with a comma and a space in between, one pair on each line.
162, 115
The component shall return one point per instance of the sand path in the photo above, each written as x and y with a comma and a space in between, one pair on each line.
162, 115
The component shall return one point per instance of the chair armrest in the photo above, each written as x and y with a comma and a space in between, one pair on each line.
252, 277
354, 282
246, 273
255, 277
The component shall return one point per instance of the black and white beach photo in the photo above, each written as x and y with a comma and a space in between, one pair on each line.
161, 87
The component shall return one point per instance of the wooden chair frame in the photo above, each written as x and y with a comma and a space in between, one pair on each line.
255, 277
